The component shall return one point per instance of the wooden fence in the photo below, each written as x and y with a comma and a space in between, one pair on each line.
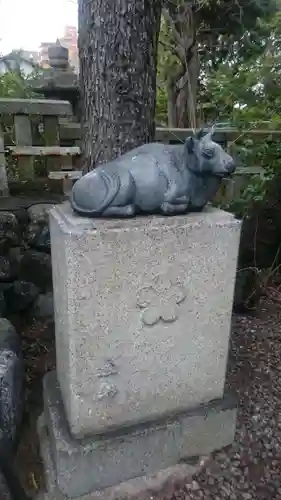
31, 132
35, 131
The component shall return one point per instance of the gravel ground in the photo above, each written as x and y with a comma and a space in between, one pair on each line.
250, 469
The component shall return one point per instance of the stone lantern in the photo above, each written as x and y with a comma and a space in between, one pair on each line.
58, 56
59, 81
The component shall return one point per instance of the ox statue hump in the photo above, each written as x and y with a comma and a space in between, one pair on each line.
154, 178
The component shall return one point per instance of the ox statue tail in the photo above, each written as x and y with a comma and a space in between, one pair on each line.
112, 185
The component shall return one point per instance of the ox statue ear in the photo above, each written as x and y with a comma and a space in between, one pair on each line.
190, 144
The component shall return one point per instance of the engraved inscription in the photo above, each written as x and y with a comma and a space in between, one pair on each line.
160, 301
107, 390
108, 369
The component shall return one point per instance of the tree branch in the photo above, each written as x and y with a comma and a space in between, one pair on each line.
171, 48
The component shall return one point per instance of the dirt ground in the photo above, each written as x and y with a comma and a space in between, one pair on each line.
251, 467
39, 355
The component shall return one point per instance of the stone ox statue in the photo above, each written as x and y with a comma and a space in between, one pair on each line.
154, 178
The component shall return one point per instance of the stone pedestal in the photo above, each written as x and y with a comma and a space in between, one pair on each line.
142, 314
91, 465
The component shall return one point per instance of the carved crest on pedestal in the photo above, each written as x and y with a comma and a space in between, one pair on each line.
160, 300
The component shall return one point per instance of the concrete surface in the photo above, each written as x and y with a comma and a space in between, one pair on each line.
162, 483
142, 312
83, 466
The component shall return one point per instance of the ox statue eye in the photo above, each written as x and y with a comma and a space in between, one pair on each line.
208, 152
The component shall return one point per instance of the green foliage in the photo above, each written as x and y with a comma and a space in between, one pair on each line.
233, 30
240, 81
248, 95
228, 32
14, 84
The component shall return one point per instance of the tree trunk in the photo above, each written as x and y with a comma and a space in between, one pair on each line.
181, 87
172, 99
118, 59
192, 87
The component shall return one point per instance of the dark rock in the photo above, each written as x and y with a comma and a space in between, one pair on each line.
11, 381
8, 269
20, 296
38, 237
43, 240
20, 213
9, 231
2, 304
37, 268
44, 306
5, 286
31, 233
15, 254
39, 234
4, 492
40, 212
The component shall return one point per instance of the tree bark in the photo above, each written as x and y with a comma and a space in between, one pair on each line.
182, 93
118, 61
192, 87
182, 83
172, 94
172, 100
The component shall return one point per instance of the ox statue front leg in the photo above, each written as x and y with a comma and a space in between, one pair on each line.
174, 208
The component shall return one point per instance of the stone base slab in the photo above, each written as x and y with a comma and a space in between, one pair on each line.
155, 486
83, 466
